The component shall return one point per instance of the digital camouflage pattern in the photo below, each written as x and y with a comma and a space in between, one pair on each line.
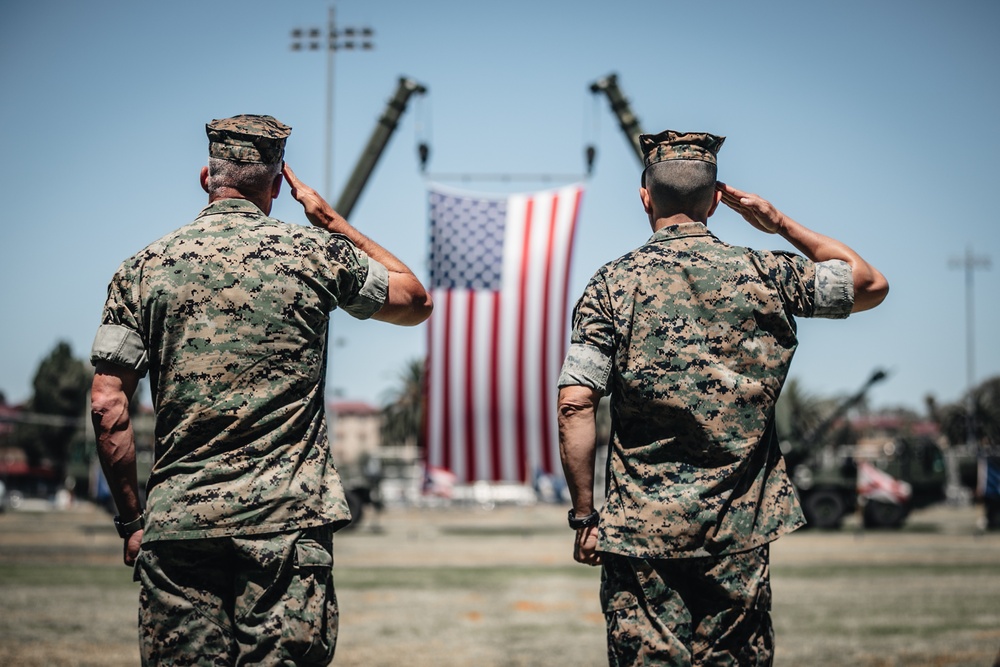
672, 145
230, 315
247, 138
695, 611
693, 339
260, 600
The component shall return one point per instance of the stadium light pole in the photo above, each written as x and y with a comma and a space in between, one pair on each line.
333, 39
970, 262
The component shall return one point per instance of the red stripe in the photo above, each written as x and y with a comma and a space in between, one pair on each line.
470, 387
520, 407
446, 387
547, 421
496, 444
499, 411
424, 441
569, 256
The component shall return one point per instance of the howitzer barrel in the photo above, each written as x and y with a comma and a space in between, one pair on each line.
814, 435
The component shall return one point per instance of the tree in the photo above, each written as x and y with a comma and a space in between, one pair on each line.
954, 418
987, 402
403, 415
56, 409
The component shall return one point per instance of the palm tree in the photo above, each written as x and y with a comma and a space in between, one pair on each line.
403, 414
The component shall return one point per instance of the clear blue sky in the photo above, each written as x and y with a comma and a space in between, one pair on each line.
874, 122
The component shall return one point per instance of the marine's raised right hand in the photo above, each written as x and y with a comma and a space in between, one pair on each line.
759, 212
316, 208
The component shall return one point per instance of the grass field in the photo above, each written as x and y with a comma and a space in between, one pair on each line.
498, 587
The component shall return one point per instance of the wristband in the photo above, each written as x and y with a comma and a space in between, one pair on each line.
577, 523
134, 526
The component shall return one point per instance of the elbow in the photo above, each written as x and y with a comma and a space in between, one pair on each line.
409, 302
104, 402
417, 311
576, 402
109, 402
871, 293
423, 306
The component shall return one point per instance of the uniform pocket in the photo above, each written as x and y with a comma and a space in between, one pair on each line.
311, 612
310, 553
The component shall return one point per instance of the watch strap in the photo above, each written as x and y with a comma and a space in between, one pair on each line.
585, 521
134, 526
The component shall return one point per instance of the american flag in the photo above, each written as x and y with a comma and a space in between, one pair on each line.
499, 270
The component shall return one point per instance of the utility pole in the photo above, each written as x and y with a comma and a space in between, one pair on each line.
970, 262
332, 40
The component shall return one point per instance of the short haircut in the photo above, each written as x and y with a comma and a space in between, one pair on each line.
249, 178
681, 186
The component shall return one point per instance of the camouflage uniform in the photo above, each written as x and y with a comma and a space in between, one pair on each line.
229, 315
692, 338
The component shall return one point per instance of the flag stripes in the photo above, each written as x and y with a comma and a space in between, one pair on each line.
499, 278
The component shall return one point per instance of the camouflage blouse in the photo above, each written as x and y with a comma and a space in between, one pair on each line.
229, 315
693, 338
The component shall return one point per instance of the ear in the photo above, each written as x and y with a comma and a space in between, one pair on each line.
276, 185
204, 179
647, 201
715, 202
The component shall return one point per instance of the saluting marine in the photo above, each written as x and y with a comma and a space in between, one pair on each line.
692, 338
229, 317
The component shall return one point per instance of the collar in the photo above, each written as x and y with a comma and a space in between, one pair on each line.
683, 230
231, 206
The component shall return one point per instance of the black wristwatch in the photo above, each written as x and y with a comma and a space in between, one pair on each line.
134, 526
577, 523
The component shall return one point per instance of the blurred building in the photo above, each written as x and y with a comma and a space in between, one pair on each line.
355, 430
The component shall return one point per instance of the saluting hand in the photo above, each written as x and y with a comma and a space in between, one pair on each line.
759, 212
317, 210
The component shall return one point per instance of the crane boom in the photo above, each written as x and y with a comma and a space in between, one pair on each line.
376, 144
622, 109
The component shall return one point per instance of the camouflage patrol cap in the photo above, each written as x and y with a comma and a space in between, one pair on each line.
247, 138
671, 145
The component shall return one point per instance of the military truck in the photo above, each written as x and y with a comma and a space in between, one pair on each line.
908, 471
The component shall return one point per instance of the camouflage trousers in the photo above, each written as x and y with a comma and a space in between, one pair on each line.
688, 611
265, 599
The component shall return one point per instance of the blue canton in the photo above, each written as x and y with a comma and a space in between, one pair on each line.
466, 242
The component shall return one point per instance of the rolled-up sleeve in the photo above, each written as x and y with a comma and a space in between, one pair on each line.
121, 346
590, 358
587, 366
834, 289
373, 293
119, 340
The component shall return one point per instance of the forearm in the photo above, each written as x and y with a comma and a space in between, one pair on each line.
870, 286
577, 448
408, 302
116, 451
116, 440
328, 219
815, 246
